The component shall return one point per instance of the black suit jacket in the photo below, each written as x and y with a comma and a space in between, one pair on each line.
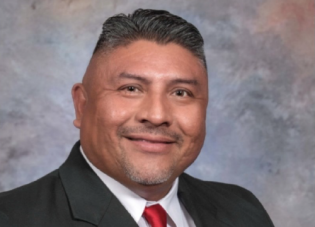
73, 195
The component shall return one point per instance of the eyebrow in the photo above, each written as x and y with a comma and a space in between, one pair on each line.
133, 76
185, 81
146, 81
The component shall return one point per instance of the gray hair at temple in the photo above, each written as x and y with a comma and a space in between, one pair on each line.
153, 25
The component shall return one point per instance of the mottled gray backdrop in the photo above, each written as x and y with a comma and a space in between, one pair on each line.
261, 116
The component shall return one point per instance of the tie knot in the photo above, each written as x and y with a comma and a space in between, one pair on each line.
155, 215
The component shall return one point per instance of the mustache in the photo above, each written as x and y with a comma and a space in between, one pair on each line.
127, 130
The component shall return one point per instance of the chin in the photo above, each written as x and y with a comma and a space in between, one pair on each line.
149, 181
148, 175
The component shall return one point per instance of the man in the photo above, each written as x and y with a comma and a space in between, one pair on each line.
141, 111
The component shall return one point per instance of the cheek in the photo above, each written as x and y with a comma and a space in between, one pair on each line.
111, 113
191, 122
192, 125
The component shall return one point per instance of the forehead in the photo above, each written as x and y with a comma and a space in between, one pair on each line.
151, 60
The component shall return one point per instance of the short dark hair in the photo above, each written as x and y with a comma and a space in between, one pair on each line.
154, 25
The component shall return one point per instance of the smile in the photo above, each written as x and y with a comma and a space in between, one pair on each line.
149, 141
150, 144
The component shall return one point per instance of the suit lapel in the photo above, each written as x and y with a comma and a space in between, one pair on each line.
202, 216
89, 198
115, 217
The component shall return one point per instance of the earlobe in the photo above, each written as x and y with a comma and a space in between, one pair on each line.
79, 100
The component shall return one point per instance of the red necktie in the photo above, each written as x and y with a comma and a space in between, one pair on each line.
155, 215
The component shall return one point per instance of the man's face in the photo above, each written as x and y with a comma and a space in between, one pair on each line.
141, 111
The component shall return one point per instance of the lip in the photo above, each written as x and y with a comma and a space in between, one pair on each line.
151, 138
151, 143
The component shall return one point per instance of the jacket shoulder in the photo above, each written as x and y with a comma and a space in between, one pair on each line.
28, 192
20, 204
227, 201
218, 188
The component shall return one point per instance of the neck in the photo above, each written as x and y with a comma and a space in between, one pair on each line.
151, 192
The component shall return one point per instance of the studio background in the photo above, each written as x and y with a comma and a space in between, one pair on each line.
261, 113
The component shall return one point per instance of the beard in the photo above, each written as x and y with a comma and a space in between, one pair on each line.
147, 174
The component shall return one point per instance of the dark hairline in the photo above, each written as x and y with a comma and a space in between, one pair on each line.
158, 26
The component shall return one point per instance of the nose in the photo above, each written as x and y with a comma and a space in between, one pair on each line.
155, 111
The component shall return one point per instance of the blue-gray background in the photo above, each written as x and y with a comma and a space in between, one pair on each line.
261, 115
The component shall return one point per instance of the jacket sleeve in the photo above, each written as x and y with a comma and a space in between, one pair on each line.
4, 220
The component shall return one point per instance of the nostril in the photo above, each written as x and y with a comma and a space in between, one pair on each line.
154, 116
154, 124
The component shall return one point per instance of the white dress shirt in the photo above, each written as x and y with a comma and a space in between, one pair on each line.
177, 215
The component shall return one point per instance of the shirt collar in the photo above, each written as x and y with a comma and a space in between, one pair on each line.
171, 204
135, 204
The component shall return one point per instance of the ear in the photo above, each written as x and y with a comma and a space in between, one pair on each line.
79, 98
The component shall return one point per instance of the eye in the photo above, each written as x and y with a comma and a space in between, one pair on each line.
181, 93
131, 89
